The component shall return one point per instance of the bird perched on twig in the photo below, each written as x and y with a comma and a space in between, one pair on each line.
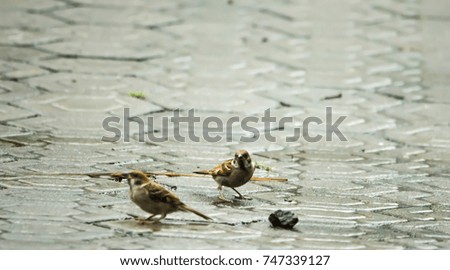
232, 173
154, 198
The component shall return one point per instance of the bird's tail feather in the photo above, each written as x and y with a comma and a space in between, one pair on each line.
187, 208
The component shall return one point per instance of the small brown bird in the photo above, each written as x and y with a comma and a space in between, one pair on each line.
232, 173
154, 198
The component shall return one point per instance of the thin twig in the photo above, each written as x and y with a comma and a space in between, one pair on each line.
198, 174
118, 176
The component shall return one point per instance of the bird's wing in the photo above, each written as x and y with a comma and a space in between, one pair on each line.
157, 192
223, 169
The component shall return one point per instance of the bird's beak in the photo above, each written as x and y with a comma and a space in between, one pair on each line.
239, 156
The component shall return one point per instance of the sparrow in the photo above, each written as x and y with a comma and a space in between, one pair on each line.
232, 173
154, 198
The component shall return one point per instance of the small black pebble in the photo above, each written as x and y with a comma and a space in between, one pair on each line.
283, 219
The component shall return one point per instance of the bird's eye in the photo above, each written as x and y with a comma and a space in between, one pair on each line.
245, 155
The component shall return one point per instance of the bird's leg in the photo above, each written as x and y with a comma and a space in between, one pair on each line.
240, 195
149, 220
163, 215
143, 221
150, 217
221, 197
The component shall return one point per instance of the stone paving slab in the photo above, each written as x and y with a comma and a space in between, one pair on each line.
65, 66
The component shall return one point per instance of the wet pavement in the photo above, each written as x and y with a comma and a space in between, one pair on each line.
67, 65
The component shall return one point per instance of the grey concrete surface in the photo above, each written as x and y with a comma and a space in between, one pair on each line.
66, 65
